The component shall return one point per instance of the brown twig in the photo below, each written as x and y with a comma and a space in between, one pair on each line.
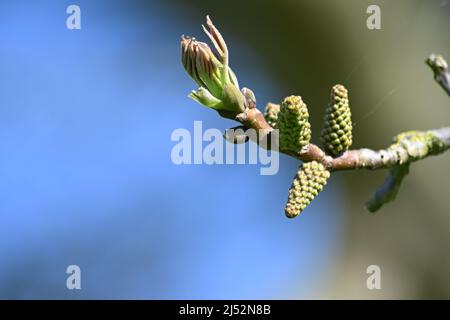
406, 148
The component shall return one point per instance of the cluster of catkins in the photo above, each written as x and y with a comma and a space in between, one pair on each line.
291, 119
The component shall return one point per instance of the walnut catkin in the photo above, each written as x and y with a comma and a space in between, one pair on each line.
306, 185
293, 124
336, 135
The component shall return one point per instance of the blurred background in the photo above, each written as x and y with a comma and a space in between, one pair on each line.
86, 176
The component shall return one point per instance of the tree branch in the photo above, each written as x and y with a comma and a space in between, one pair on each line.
409, 146
389, 189
219, 90
406, 148
440, 70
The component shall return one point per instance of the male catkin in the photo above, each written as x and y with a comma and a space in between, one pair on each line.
306, 185
293, 124
336, 135
271, 114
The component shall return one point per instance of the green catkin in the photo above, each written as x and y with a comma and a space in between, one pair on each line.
306, 185
271, 114
336, 135
294, 127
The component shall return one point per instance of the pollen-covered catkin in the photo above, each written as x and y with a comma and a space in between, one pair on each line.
336, 135
271, 114
293, 124
309, 181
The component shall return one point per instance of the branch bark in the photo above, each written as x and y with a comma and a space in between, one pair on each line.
407, 147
